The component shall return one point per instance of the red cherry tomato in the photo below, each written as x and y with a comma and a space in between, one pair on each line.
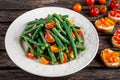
112, 13
77, 7
31, 56
114, 4
90, 2
102, 1
94, 11
49, 38
102, 8
50, 25
79, 31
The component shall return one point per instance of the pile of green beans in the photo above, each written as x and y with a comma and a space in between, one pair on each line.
34, 36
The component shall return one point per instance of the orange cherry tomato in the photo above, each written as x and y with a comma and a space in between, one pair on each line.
102, 1
31, 56
77, 7
65, 58
50, 25
49, 38
73, 35
102, 8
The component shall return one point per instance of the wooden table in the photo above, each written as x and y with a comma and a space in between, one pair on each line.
11, 9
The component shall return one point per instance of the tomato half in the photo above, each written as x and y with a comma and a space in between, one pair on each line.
77, 7
49, 38
31, 56
79, 31
50, 25
65, 58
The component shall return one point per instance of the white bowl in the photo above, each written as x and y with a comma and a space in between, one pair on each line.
17, 54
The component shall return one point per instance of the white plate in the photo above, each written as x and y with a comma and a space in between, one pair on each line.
17, 54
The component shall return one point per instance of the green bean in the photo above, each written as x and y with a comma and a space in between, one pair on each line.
77, 27
65, 16
67, 52
30, 30
61, 56
39, 51
29, 27
52, 56
34, 42
42, 37
29, 45
69, 36
37, 31
55, 31
77, 36
59, 26
58, 41
35, 21
39, 41
81, 48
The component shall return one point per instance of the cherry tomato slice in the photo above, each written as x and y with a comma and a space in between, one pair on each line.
112, 13
79, 31
31, 56
50, 25
49, 38
65, 58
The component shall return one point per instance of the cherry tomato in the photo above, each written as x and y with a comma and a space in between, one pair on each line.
90, 2
73, 35
50, 25
31, 56
94, 11
102, 1
77, 7
49, 38
102, 8
65, 58
114, 4
79, 31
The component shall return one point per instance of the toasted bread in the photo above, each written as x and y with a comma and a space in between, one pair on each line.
115, 19
102, 28
106, 62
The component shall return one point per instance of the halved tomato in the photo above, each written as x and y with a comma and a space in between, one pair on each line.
79, 31
65, 58
50, 25
31, 56
49, 38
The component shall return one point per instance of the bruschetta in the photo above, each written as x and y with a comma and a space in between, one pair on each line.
110, 58
116, 38
105, 25
114, 15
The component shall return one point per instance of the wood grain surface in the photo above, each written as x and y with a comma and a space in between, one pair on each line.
11, 9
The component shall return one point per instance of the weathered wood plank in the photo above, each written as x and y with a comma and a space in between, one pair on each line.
85, 74
9, 16
31, 4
